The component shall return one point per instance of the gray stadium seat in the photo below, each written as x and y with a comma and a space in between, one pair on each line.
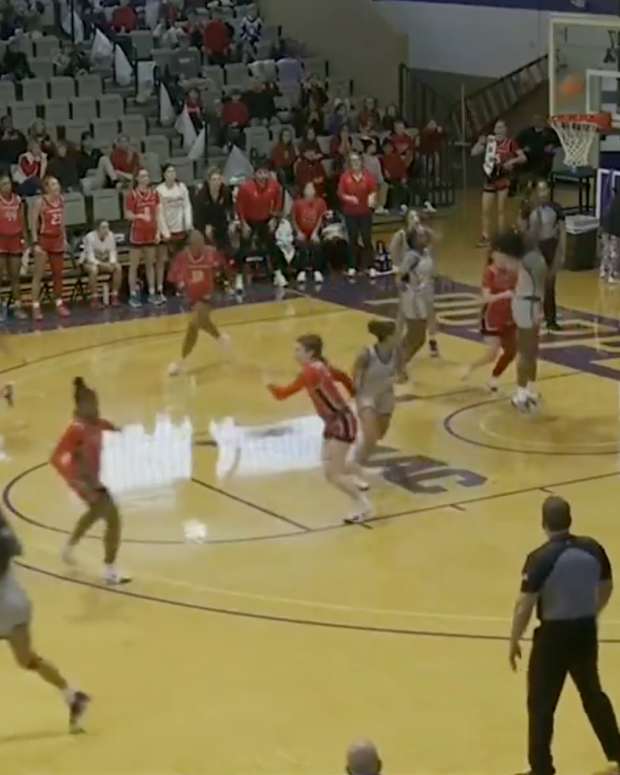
258, 138
142, 42
237, 75
7, 92
186, 63
214, 73
134, 126
23, 114
271, 33
111, 105
46, 47
62, 87
264, 49
159, 145
24, 43
105, 131
84, 108
153, 165
106, 205
162, 58
292, 91
75, 209
290, 71
42, 68
34, 90
264, 69
185, 169
89, 85
56, 112
74, 131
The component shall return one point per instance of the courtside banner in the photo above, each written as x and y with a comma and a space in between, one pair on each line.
609, 7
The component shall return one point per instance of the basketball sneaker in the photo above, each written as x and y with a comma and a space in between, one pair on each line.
301, 278
361, 514
77, 710
351, 272
175, 369
134, 301
62, 310
433, 348
318, 277
113, 577
37, 315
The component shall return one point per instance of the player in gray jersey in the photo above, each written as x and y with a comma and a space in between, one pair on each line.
373, 375
527, 311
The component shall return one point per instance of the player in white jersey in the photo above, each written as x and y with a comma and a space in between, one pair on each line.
373, 376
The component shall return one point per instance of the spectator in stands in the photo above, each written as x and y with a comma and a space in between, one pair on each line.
216, 41
313, 93
124, 18
71, 61
235, 113
99, 257
260, 102
539, 143
307, 216
372, 164
88, 156
213, 207
310, 169
341, 146
124, 163
64, 166
12, 143
175, 221
8, 22
284, 158
30, 171
339, 118
403, 142
15, 63
357, 191
363, 759
431, 141
195, 110
250, 34
309, 141
395, 174
390, 117
259, 203
369, 119
167, 34
39, 133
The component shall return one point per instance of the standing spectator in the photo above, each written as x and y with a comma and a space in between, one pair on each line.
64, 166
12, 143
250, 34
310, 169
124, 18
569, 581
284, 157
259, 203
539, 143
395, 174
260, 102
390, 117
369, 119
341, 147
431, 141
30, 171
217, 41
99, 257
357, 192
175, 222
363, 759
88, 156
307, 215
610, 229
15, 63
142, 211
372, 163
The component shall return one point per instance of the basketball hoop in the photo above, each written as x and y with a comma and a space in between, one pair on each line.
577, 132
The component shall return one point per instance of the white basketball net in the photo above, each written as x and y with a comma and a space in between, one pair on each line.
576, 137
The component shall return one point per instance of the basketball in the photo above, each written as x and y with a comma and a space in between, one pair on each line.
572, 85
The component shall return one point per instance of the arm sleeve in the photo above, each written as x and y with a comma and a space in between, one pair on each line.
240, 204
63, 454
112, 253
344, 379
537, 568
487, 279
188, 215
288, 390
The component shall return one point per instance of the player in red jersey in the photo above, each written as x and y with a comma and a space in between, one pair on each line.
142, 211
47, 228
498, 328
12, 242
77, 458
193, 270
319, 379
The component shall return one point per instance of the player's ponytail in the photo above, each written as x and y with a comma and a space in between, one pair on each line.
381, 329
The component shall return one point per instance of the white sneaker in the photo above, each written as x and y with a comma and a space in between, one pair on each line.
428, 207
67, 555
239, 283
175, 369
113, 577
351, 272
318, 277
361, 484
279, 280
224, 342
381, 211
403, 209
492, 385
301, 278
523, 405
362, 512
372, 273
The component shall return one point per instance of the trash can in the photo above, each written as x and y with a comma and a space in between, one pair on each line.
581, 242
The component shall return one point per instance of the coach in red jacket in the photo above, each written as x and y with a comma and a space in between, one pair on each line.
357, 192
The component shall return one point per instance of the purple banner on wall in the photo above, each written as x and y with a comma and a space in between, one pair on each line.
611, 7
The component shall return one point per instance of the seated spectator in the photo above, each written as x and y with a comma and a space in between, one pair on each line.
390, 117
30, 171
193, 103
235, 112
310, 169
372, 164
124, 18
313, 93
334, 242
71, 61
99, 257
39, 133
167, 34
369, 120
124, 162
339, 118
250, 34
64, 167
403, 143
216, 41
284, 157
307, 215
15, 63
88, 156
260, 102
12, 143
309, 142
395, 175
363, 759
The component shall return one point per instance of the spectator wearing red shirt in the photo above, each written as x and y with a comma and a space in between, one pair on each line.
357, 192
235, 117
395, 174
307, 215
194, 108
283, 158
124, 18
31, 169
216, 40
403, 143
259, 202
310, 169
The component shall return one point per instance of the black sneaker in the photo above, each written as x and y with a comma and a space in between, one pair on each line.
77, 710
8, 393
553, 326
433, 348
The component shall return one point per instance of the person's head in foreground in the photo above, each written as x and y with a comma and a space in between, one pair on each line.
86, 401
363, 759
556, 516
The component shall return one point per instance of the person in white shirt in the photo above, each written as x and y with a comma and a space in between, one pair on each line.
99, 257
372, 163
175, 220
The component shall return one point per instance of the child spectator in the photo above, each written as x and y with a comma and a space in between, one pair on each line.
64, 166
395, 174
432, 139
250, 34
340, 147
307, 215
124, 18
30, 171
284, 157
216, 41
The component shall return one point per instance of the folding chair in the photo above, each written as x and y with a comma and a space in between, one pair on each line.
23, 115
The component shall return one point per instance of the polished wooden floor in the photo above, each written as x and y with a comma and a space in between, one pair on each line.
269, 648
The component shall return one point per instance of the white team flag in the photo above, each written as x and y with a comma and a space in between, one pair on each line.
237, 167
197, 151
102, 49
185, 127
151, 13
122, 68
65, 23
166, 111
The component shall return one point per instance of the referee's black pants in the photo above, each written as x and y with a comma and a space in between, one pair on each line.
564, 648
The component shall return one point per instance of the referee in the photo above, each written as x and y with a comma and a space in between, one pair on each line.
569, 580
